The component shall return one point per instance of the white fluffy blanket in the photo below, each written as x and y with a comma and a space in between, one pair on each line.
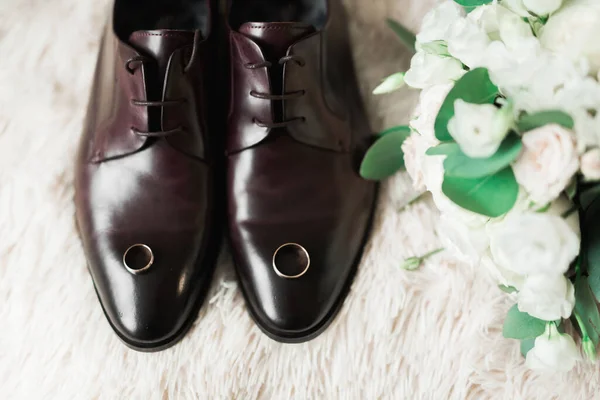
429, 334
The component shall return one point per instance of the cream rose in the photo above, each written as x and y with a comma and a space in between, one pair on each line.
534, 243
590, 165
430, 102
427, 70
414, 148
573, 32
548, 162
479, 129
553, 352
547, 297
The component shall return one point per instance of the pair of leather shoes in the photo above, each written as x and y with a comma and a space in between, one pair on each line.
180, 142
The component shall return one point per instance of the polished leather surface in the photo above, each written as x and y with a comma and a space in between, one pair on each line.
132, 188
298, 183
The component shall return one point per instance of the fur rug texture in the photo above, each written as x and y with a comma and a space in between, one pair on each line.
430, 334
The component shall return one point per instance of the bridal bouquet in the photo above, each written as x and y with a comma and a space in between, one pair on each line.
506, 137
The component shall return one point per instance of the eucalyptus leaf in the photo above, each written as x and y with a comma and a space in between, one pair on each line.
588, 195
443, 149
590, 246
529, 122
492, 195
462, 166
385, 157
390, 84
407, 37
400, 128
520, 325
526, 345
470, 5
473, 87
587, 308
507, 289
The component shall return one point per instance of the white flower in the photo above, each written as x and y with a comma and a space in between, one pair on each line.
547, 297
501, 276
580, 97
467, 41
436, 23
479, 129
553, 351
573, 32
414, 148
542, 7
517, 7
430, 102
590, 165
429, 69
467, 243
548, 162
534, 243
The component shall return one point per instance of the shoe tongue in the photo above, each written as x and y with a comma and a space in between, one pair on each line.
276, 37
161, 43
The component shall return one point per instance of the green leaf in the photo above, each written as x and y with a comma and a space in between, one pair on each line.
526, 345
385, 157
469, 5
590, 247
390, 84
588, 195
520, 325
530, 122
443, 149
587, 308
474, 87
407, 37
462, 166
399, 128
492, 196
507, 289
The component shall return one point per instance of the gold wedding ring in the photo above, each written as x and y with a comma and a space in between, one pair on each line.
298, 253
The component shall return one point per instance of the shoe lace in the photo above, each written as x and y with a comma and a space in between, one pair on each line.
283, 97
131, 65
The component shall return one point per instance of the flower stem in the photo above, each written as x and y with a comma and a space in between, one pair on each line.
431, 253
588, 346
569, 212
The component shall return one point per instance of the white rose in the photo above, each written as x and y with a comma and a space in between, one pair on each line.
534, 243
573, 32
479, 129
542, 7
467, 41
517, 7
436, 23
547, 297
427, 70
468, 243
414, 148
548, 162
430, 102
553, 352
515, 32
590, 165
580, 97
501, 276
